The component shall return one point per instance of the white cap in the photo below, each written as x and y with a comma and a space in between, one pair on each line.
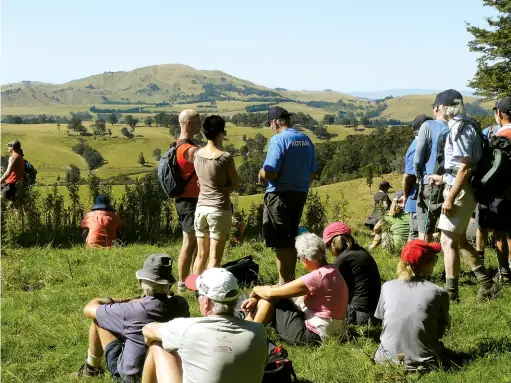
216, 283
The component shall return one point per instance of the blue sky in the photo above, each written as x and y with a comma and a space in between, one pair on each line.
345, 45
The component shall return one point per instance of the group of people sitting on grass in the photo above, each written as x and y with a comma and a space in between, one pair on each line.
153, 338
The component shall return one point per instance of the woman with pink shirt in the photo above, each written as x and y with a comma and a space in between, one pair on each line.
309, 309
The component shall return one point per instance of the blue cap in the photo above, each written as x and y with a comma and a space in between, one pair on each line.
447, 97
102, 203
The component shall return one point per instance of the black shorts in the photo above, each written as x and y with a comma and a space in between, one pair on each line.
9, 191
281, 218
289, 321
496, 216
186, 213
353, 316
113, 352
429, 207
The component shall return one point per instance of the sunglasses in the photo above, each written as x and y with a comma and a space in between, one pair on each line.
9, 145
268, 123
197, 294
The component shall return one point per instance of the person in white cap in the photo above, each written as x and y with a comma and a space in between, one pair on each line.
217, 347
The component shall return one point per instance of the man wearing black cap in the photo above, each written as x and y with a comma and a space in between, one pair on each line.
116, 330
289, 168
428, 160
497, 215
463, 149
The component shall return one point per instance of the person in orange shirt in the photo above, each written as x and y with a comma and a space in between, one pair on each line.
12, 179
102, 223
186, 203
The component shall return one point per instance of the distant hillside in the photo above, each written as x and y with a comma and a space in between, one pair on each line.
172, 83
406, 108
402, 92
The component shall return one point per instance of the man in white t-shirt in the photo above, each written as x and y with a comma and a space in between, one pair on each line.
215, 348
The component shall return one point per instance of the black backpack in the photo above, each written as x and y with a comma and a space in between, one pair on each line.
30, 175
492, 175
278, 369
245, 270
169, 176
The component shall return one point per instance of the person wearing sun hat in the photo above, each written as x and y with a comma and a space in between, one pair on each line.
359, 270
101, 225
415, 312
217, 347
116, 330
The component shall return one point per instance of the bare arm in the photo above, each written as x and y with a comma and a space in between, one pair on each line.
292, 289
9, 168
377, 227
408, 182
189, 153
234, 179
267, 175
152, 332
90, 309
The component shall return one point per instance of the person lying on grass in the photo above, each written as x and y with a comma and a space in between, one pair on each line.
116, 329
358, 269
415, 312
309, 309
215, 348
101, 226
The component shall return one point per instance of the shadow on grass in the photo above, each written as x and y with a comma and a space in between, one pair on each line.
455, 360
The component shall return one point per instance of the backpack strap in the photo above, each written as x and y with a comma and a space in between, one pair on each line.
176, 145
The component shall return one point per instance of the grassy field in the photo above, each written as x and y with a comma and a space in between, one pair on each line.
44, 334
51, 151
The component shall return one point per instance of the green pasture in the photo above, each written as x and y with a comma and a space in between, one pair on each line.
50, 150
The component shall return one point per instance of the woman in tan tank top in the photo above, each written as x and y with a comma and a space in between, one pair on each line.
217, 177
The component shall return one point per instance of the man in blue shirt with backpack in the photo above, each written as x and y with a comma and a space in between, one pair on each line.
428, 160
289, 168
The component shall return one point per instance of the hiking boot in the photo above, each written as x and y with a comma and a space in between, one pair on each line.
454, 296
86, 370
489, 291
503, 276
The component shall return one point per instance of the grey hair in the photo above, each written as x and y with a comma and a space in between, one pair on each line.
453, 110
152, 288
310, 247
223, 308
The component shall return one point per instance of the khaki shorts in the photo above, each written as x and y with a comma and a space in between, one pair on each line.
464, 206
210, 222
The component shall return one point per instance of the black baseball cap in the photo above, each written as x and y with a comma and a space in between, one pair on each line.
447, 97
385, 185
277, 112
504, 105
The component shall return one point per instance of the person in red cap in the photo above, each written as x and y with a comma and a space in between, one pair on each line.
359, 270
415, 312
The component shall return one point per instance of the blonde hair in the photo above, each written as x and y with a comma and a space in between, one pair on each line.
395, 207
451, 111
406, 272
341, 242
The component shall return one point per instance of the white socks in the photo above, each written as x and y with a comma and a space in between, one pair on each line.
94, 361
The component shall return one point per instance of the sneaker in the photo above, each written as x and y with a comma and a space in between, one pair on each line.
86, 370
503, 276
489, 291
454, 296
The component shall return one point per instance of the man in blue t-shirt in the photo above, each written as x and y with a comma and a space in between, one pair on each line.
289, 168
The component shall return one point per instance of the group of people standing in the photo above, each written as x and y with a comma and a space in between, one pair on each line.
204, 208
438, 166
